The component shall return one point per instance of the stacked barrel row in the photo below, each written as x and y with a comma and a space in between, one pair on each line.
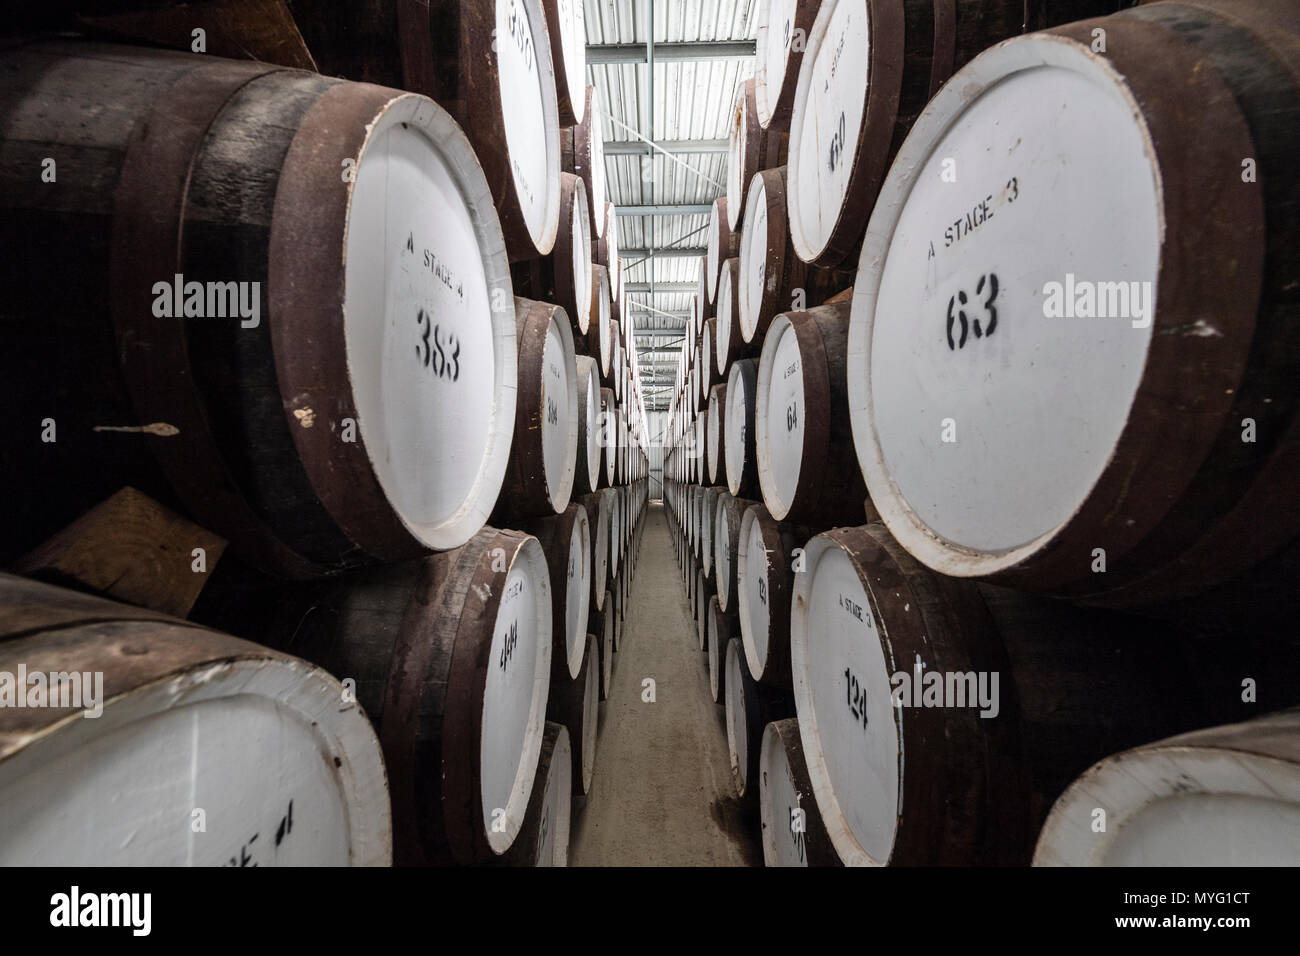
1013, 507
351, 341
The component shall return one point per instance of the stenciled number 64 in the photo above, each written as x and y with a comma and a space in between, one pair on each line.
958, 302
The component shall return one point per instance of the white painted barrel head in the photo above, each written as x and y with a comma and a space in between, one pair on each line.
596, 161
610, 238
713, 441
609, 631
706, 359
573, 49
737, 412
557, 805
432, 363
778, 799
736, 147
753, 591
721, 554
702, 608
775, 33
599, 300
560, 403
120, 777
585, 368
514, 695
847, 724
577, 604
530, 110
611, 514
591, 709
707, 504
723, 330
606, 338
826, 123
714, 253
779, 417
1223, 796
753, 259
580, 235
978, 451
700, 447
737, 724
600, 555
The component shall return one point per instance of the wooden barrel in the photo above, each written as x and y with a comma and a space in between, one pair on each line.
728, 345
703, 594
789, 838
598, 340
587, 465
1221, 796
783, 28
739, 451
716, 443
772, 278
605, 642
692, 573
582, 150
727, 519
567, 29
620, 615
1169, 501
616, 287
750, 147
609, 422
721, 628
544, 838
280, 420
700, 446
701, 305
543, 459
750, 708
765, 560
607, 251
493, 70
183, 724
503, 93
615, 532
597, 506
566, 541
564, 276
801, 417
709, 376
855, 101
575, 704
451, 657
995, 721
723, 244
708, 512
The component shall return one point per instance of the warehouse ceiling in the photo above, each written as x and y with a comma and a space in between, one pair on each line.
702, 51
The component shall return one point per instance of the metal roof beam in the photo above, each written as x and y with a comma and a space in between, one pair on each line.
601, 53
668, 252
676, 287
616, 147
640, 308
681, 209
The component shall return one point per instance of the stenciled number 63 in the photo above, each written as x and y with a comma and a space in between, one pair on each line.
958, 302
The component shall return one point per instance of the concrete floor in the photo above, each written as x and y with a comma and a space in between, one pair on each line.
661, 793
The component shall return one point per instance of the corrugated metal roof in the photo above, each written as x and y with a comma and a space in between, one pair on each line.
692, 100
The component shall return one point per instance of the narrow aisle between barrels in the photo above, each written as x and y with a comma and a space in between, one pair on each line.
662, 790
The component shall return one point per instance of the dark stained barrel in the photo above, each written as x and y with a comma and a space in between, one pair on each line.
212, 358
184, 723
